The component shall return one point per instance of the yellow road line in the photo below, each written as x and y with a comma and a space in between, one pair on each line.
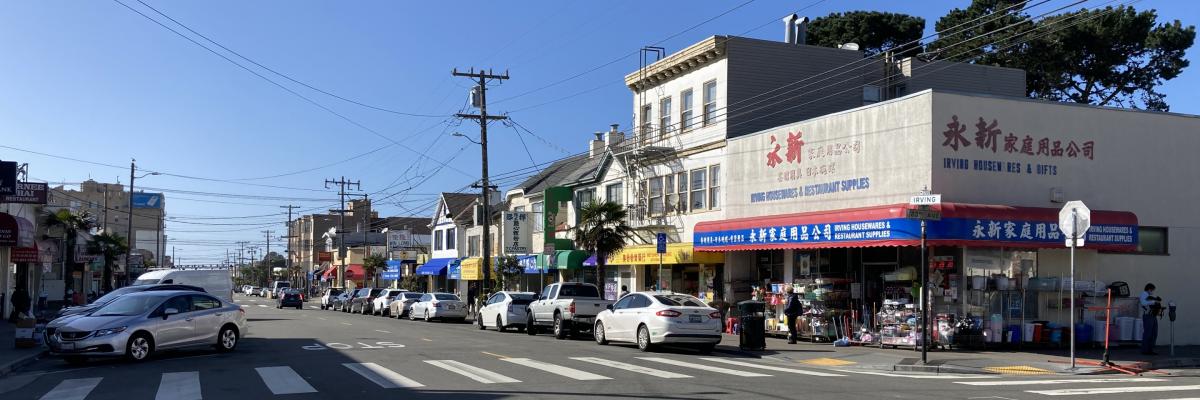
1018, 370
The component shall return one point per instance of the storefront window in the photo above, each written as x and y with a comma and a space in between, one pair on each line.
1152, 240
770, 265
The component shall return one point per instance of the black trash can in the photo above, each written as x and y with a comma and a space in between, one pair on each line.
753, 322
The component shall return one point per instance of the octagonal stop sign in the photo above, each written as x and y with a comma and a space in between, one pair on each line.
1074, 220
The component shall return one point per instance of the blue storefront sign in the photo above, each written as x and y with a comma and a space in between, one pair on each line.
393, 270
147, 200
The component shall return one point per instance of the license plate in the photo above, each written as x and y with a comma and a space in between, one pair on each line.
67, 346
695, 319
449, 307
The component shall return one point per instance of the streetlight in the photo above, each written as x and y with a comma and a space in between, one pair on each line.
132, 179
466, 137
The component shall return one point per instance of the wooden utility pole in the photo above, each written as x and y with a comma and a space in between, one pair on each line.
289, 238
341, 228
482, 78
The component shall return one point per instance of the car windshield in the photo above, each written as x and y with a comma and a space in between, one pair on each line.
578, 291
680, 300
335, 292
114, 294
128, 305
411, 295
449, 297
282, 284
522, 298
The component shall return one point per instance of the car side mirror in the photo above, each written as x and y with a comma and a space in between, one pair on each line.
609, 307
169, 312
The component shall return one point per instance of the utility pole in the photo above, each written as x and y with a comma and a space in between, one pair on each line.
342, 184
132, 243
482, 79
267, 253
289, 244
241, 252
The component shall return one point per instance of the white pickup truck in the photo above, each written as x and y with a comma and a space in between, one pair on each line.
565, 307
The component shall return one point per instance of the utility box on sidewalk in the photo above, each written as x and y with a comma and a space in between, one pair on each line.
753, 322
25, 333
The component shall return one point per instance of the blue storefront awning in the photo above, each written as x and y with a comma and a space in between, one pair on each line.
435, 266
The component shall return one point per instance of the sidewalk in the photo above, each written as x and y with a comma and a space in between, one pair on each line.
1011, 362
12, 358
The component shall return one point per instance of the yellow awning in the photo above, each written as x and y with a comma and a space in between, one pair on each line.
472, 269
677, 253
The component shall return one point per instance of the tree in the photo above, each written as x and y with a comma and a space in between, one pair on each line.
602, 231
108, 246
873, 31
372, 266
507, 270
1112, 56
71, 224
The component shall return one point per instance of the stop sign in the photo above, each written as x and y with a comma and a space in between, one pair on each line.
1074, 221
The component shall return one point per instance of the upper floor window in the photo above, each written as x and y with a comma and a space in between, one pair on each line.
437, 239
645, 120
681, 186
539, 223
473, 248
450, 236
685, 109
585, 197
710, 102
615, 193
664, 117
699, 183
714, 186
656, 195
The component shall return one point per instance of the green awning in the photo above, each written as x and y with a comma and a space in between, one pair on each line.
571, 259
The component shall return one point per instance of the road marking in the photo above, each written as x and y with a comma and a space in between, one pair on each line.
263, 305
474, 373
427, 340
828, 362
347, 323
1061, 381
383, 377
322, 318
557, 369
72, 389
381, 331
1113, 390
284, 380
179, 386
495, 355
632, 368
702, 367
769, 367
314, 307
914, 376
1018, 370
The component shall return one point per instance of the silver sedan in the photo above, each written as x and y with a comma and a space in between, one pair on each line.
137, 325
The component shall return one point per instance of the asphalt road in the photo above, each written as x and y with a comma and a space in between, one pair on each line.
314, 354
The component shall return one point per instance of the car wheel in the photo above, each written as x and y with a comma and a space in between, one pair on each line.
598, 332
427, 316
227, 339
530, 328
499, 324
75, 360
300, 307
139, 348
479, 323
643, 339
561, 330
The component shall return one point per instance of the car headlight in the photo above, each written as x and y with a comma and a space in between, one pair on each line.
110, 331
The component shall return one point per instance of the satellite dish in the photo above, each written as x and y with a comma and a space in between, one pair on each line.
849, 46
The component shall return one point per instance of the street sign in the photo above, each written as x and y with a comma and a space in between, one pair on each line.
147, 200
661, 240
1074, 224
923, 213
926, 200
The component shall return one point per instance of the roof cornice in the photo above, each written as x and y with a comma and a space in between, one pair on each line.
690, 58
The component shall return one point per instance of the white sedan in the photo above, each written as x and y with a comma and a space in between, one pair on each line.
381, 305
438, 306
401, 306
503, 310
653, 318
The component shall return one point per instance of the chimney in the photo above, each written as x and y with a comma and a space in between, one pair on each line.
789, 29
614, 136
801, 31
597, 145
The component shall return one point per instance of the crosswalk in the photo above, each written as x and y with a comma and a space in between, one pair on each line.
446, 373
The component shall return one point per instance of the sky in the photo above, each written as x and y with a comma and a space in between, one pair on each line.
87, 86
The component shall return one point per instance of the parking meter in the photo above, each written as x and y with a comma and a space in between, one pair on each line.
1171, 311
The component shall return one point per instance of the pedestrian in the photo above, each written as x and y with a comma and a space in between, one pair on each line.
624, 291
20, 303
1151, 310
792, 308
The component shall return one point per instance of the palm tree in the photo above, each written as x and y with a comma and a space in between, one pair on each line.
602, 231
372, 264
108, 246
71, 224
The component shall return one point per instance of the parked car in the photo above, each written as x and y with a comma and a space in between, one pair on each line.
362, 300
251, 291
336, 302
444, 306
401, 306
649, 319
262, 291
277, 286
217, 282
290, 298
381, 304
140, 324
504, 310
566, 307
328, 296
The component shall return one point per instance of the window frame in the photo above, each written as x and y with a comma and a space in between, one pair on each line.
451, 236
703, 191
686, 110
538, 209
438, 237
619, 188
681, 182
714, 186
670, 197
646, 114
1166, 242
709, 116
664, 116
650, 197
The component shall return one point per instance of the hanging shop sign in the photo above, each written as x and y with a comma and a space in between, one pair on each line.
15, 231
325, 256
25, 254
516, 232
399, 239
147, 200
27, 193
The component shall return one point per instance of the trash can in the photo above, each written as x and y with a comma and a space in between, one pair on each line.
753, 325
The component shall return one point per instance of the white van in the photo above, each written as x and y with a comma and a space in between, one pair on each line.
217, 282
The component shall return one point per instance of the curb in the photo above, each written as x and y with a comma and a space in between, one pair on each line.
11, 367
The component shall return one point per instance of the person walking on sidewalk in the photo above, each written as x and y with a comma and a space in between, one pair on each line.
792, 310
1151, 310
20, 303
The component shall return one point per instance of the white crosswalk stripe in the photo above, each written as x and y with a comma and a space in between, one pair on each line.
383, 377
769, 367
72, 389
1113, 390
263, 305
917, 376
284, 380
557, 369
179, 386
474, 373
1060, 381
703, 367
632, 368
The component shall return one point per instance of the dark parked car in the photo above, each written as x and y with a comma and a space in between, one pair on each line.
360, 302
290, 298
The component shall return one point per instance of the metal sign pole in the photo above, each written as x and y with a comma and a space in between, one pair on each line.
924, 301
1074, 237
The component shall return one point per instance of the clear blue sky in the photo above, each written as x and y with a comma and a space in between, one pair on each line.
98, 82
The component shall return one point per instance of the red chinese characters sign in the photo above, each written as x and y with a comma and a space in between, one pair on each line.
988, 136
797, 151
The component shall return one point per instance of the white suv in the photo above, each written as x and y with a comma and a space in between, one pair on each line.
327, 298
